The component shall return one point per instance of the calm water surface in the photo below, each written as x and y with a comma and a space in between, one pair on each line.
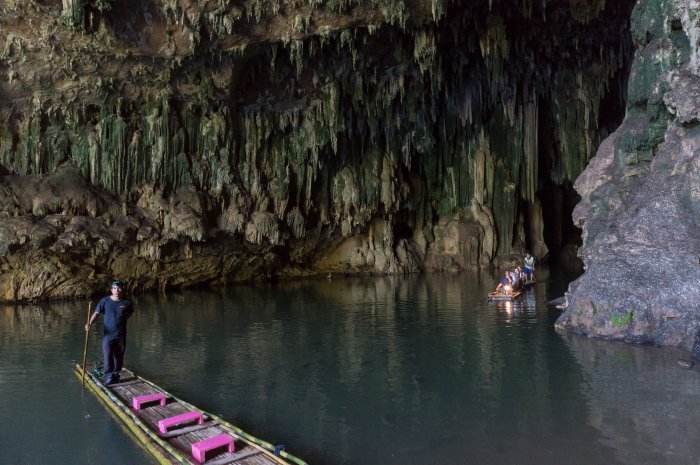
415, 370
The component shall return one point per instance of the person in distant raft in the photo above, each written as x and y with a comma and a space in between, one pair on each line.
116, 310
504, 285
529, 267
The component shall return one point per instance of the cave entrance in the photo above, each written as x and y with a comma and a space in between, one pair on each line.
560, 235
557, 194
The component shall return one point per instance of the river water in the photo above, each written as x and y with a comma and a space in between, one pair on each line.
396, 370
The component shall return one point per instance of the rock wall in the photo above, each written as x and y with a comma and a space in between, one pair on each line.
185, 142
640, 195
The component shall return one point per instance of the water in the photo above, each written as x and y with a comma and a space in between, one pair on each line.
415, 370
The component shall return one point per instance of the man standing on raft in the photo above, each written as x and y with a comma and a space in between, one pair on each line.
116, 310
529, 267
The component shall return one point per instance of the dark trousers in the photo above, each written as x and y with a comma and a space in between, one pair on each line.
113, 351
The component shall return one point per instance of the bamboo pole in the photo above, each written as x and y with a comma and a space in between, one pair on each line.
87, 334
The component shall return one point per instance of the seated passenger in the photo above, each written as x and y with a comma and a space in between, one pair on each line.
505, 285
516, 276
515, 280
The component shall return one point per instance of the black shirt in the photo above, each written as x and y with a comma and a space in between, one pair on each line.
116, 312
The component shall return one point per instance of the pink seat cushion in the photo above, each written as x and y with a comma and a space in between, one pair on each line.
200, 448
165, 423
140, 400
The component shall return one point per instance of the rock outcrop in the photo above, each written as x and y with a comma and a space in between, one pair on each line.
640, 207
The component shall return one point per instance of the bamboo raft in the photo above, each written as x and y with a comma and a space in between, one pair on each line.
175, 446
502, 296
508, 296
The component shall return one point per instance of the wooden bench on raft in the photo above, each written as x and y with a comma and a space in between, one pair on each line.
199, 449
138, 401
166, 423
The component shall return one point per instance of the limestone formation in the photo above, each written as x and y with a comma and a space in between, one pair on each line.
640, 195
190, 142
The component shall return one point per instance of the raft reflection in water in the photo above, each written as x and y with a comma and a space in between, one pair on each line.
518, 307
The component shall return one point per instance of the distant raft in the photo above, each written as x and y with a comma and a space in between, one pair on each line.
504, 296
176, 432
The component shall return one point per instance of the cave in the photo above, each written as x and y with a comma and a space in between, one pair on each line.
559, 198
184, 143
281, 139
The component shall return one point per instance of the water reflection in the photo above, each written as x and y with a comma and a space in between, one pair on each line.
46, 417
522, 307
391, 370
639, 399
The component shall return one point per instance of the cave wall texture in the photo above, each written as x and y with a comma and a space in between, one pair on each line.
640, 195
188, 142
177, 143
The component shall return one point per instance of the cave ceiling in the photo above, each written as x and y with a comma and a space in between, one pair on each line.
301, 124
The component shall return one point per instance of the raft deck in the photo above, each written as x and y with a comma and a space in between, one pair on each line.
175, 446
499, 296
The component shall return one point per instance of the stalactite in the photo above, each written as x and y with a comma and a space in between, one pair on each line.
73, 13
494, 47
332, 128
531, 150
424, 50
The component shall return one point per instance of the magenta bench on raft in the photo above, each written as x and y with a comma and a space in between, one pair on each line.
165, 423
200, 448
138, 401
